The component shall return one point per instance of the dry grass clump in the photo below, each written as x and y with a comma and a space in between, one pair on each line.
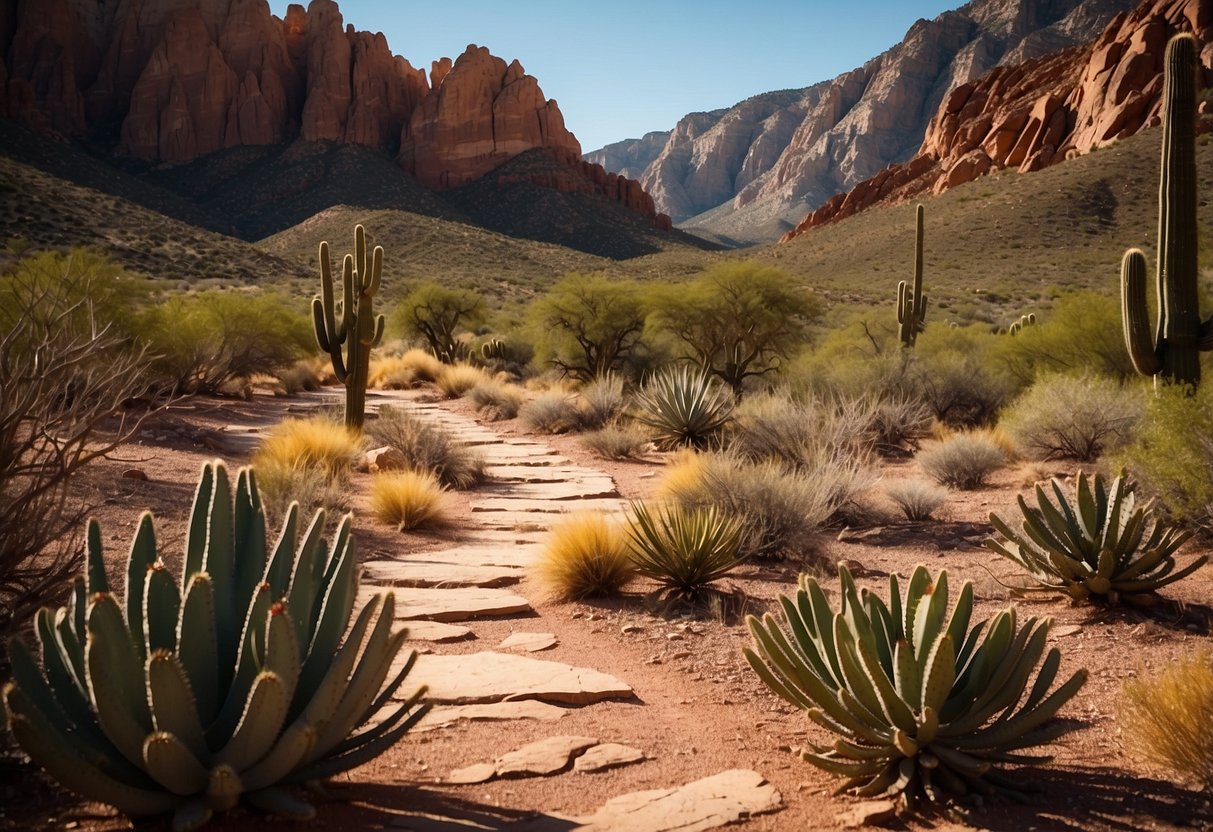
305, 374
407, 499
425, 367
602, 402
616, 442
1166, 717
1063, 417
496, 400
456, 379
306, 461
391, 372
586, 555
552, 412
899, 423
426, 446
917, 499
780, 509
963, 461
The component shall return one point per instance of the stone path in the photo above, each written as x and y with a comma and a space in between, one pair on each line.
440, 595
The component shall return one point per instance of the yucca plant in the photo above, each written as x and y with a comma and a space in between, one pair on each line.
233, 684
684, 549
685, 408
924, 705
1102, 546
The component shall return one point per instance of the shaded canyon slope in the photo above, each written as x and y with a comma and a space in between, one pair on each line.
748, 173
152, 84
1031, 115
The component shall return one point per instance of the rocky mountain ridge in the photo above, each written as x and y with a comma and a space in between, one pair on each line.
1043, 111
172, 81
751, 171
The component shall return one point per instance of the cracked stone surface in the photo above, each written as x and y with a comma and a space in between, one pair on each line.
703, 804
492, 677
605, 756
424, 573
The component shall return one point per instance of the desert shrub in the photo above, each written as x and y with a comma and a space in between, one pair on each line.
407, 499
917, 499
962, 461
780, 509
1165, 717
586, 555
955, 377
1064, 417
684, 549
66, 380
284, 481
861, 355
800, 432
424, 366
390, 372
601, 401
589, 326
1173, 453
439, 314
1102, 545
456, 379
898, 423
684, 408
616, 442
308, 461
551, 412
303, 375
496, 400
427, 446
203, 341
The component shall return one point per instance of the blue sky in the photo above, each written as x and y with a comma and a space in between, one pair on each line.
621, 69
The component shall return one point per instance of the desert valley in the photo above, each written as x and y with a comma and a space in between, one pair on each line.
374, 455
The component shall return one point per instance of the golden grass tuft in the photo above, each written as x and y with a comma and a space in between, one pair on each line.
391, 372
496, 400
1166, 717
408, 499
683, 474
425, 366
316, 442
456, 379
586, 555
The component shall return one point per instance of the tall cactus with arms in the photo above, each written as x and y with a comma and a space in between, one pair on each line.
911, 303
348, 334
1173, 353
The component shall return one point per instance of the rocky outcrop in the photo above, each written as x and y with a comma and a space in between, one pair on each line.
631, 156
170, 81
479, 113
750, 165
1042, 111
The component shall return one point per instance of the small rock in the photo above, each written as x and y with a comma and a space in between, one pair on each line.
528, 642
1063, 630
673, 636
478, 773
135, 474
868, 814
605, 756
631, 628
386, 458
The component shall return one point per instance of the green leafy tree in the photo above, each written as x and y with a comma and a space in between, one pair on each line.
589, 326
439, 314
738, 320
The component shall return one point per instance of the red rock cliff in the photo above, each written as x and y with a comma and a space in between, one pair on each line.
1031, 115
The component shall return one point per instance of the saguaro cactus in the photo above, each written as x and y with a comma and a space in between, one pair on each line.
1173, 352
349, 332
911, 303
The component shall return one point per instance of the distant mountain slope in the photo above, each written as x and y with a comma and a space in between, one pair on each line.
631, 156
772, 158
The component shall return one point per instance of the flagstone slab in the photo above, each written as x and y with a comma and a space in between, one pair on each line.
436, 631
537, 759
583, 488
607, 755
528, 642
537, 473
526, 504
422, 573
504, 551
452, 604
703, 804
492, 677
491, 712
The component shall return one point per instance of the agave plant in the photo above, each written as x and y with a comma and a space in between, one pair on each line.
684, 549
1103, 545
924, 705
235, 683
685, 407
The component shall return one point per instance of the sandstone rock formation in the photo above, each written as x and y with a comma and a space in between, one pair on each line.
770, 159
1031, 115
169, 81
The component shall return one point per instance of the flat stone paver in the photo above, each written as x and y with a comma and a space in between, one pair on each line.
452, 604
513, 551
491, 712
487, 504
605, 756
703, 804
578, 489
422, 573
528, 642
436, 631
537, 759
492, 677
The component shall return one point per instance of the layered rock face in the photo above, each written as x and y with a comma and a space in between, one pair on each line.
631, 156
1042, 111
774, 157
174, 80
